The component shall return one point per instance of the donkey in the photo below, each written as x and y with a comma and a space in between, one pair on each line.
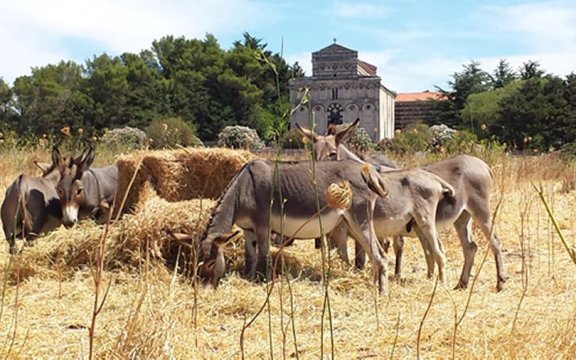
296, 210
31, 207
472, 181
83, 191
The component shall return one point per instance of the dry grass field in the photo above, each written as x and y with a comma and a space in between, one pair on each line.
146, 310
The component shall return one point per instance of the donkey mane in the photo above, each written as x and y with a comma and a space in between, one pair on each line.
220, 200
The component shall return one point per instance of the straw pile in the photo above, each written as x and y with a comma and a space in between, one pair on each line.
139, 239
177, 175
149, 315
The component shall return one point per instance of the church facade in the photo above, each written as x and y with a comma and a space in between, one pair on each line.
342, 88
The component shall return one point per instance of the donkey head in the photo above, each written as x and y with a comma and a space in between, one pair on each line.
325, 147
212, 252
70, 189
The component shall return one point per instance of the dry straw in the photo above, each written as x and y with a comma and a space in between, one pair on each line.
143, 237
156, 316
181, 174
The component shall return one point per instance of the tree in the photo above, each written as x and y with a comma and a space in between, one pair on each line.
503, 75
482, 109
530, 70
470, 81
5, 100
538, 115
51, 98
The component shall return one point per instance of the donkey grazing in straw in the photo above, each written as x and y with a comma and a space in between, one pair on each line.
472, 181
31, 207
299, 209
84, 191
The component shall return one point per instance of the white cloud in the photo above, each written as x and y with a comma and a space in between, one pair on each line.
360, 10
35, 32
546, 26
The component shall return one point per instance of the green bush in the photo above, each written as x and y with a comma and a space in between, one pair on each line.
239, 137
413, 139
166, 133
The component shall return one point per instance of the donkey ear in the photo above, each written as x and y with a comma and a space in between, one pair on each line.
311, 135
44, 167
344, 134
57, 158
85, 160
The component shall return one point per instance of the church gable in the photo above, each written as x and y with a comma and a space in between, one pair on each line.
336, 61
343, 88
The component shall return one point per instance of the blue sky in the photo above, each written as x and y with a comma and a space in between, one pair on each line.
415, 44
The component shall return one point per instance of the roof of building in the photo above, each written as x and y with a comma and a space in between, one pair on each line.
335, 48
419, 96
366, 69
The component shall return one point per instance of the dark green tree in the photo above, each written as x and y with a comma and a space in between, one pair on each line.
503, 75
482, 109
530, 70
51, 98
538, 115
6, 112
470, 81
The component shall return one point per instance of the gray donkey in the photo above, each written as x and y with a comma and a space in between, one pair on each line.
289, 198
31, 207
472, 181
84, 191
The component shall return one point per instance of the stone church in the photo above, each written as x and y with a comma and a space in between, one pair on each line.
343, 88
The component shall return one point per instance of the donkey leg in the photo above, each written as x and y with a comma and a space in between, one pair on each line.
428, 252
359, 256
250, 254
339, 238
264, 265
463, 226
485, 223
427, 233
398, 244
366, 238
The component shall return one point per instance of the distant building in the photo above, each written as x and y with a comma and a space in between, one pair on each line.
415, 107
343, 88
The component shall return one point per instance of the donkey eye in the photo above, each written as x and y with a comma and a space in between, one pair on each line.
79, 191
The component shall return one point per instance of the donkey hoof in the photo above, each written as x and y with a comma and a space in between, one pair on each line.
461, 285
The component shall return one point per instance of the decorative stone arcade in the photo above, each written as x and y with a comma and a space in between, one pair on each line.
343, 88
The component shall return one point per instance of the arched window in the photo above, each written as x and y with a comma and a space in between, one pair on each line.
334, 114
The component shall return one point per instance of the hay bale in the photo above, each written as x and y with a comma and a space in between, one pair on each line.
145, 235
177, 175
137, 240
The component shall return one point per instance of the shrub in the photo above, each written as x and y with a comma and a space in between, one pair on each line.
166, 133
359, 140
239, 137
441, 134
292, 140
413, 139
126, 137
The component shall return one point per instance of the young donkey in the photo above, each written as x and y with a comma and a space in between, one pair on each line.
31, 207
296, 195
472, 181
82, 190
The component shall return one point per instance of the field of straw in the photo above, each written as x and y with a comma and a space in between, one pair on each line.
113, 291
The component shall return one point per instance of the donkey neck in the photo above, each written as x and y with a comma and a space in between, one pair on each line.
92, 190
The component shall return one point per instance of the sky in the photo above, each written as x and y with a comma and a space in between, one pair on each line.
416, 45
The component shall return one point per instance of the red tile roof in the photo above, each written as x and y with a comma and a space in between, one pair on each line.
419, 96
